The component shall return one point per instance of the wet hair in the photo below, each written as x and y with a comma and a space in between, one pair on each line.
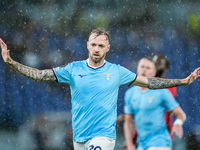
100, 31
162, 65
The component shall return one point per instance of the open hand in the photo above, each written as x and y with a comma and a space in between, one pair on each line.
193, 76
5, 52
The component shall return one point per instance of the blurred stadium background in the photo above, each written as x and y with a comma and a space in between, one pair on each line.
46, 34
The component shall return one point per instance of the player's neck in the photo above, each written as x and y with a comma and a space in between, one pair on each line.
95, 65
143, 89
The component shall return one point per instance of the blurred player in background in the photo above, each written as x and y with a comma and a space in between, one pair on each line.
148, 108
94, 85
162, 67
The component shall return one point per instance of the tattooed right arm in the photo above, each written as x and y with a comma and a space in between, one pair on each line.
32, 73
35, 74
160, 83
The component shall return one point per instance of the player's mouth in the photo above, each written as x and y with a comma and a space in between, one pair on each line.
96, 55
143, 74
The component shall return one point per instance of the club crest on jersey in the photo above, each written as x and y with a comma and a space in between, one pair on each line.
107, 76
150, 99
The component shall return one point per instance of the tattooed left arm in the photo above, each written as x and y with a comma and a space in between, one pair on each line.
160, 83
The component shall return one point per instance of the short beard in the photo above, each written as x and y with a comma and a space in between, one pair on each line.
98, 60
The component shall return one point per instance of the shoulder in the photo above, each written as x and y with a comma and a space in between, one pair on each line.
131, 89
70, 66
113, 65
116, 66
165, 94
109, 64
130, 93
161, 91
166, 91
77, 64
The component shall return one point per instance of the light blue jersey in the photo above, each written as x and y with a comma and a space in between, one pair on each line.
149, 110
94, 95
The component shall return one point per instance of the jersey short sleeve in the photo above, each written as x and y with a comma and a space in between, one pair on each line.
126, 76
63, 74
169, 101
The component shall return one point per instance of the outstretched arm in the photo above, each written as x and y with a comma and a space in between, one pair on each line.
160, 83
32, 73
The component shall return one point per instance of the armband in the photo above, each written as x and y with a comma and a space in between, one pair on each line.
178, 122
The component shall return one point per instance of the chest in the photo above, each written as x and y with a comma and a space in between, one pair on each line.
146, 101
84, 80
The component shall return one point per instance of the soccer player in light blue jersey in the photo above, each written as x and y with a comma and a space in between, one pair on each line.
94, 85
147, 108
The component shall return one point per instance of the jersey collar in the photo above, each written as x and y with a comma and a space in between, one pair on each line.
87, 60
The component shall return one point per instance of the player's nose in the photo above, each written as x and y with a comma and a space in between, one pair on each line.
96, 49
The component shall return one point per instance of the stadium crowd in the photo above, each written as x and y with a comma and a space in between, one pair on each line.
46, 35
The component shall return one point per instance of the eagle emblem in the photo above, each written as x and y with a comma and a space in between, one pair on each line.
107, 76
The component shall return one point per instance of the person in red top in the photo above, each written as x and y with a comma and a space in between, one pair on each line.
162, 65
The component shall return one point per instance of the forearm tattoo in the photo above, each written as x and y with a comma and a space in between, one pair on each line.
160, 83
34, 74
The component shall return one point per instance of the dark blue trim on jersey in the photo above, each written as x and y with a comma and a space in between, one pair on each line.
133, 80
95, 68
55, 76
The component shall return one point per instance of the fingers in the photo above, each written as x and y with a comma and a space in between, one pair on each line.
180, 135
1, 41
178, 130
8, 52
3, 45
196, 73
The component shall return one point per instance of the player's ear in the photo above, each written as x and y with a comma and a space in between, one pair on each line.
108, 48
87, 44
